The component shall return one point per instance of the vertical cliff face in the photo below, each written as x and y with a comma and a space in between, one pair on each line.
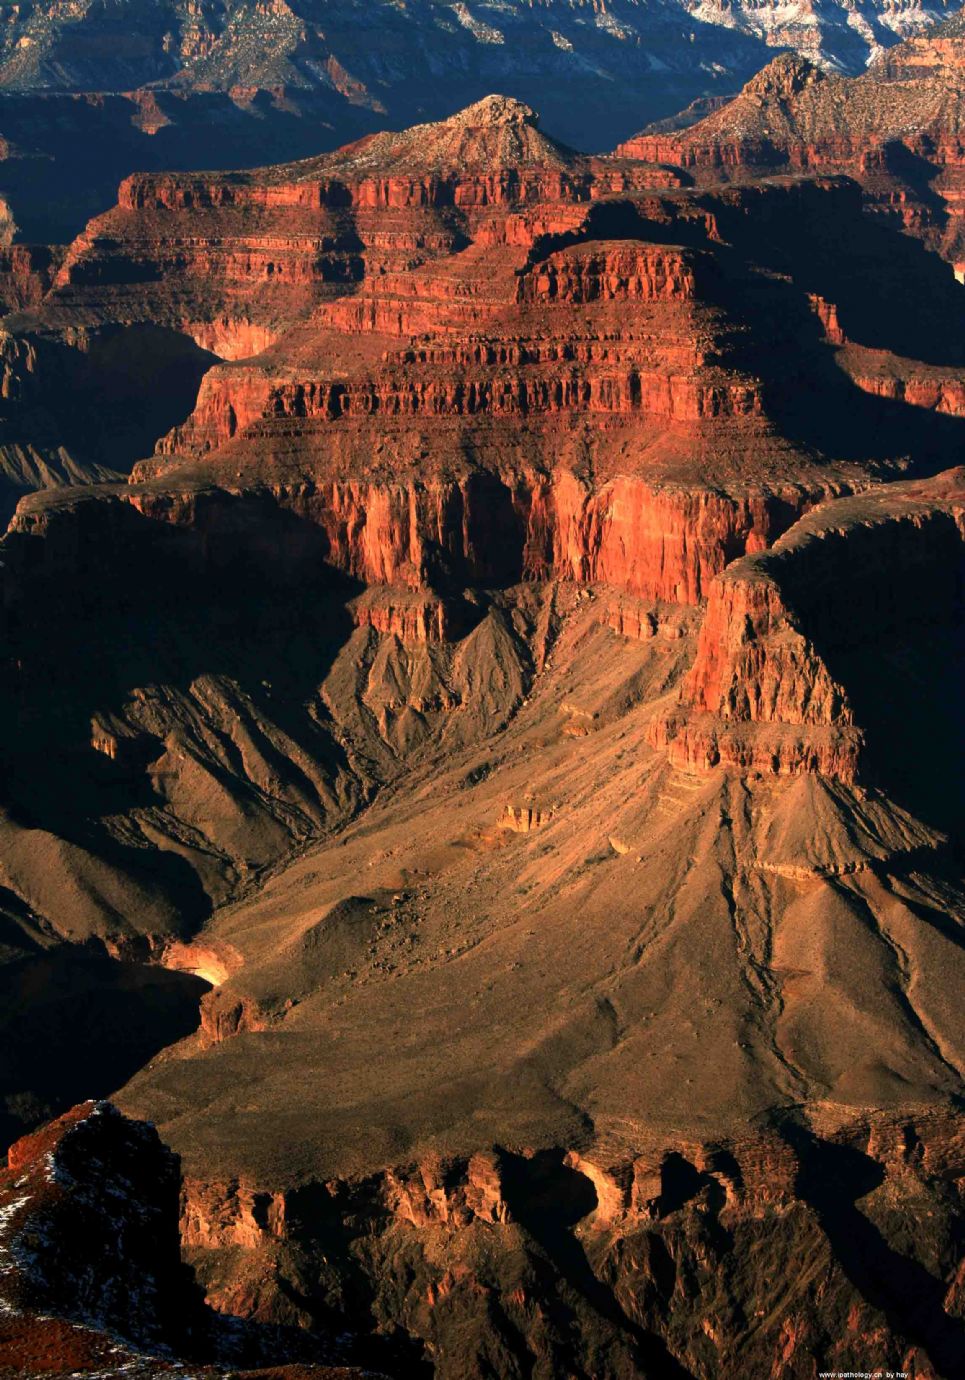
867, 568
27, 272
655, 542
733, 675
659, 544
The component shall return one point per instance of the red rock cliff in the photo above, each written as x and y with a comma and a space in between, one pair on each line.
860, 568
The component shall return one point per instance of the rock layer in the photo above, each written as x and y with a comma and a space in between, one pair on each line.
897, 130
758, 660
656, 1239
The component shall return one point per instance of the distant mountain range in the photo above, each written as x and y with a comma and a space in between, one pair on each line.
377, 54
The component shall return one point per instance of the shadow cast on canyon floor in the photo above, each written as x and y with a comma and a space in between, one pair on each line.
173, 608
110, 400
891, 292
151, 605
906, 691
819, 407
891, 296
76, 1024
832, 1179
548, 1199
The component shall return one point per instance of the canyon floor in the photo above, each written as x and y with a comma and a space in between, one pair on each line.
482, 663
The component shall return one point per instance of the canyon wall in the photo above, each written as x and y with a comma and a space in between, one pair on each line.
655, 1259
897, 130
498, 632
859, 570
655, 542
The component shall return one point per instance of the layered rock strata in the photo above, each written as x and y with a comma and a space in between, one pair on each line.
479, 642
760, 695
651, 1256
896, 129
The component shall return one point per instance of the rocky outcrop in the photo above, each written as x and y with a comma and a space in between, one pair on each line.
90, 1229
416, 616
523, 819
641, 620
27, 272
223, 1017
91, 1278
667, 1250
341, 233
578, 314
760, 695
736, 678
229, 399
896, 130
648, 1242
933, 53
612, 272
942, 392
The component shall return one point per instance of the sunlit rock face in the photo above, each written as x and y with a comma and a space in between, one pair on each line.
896, 130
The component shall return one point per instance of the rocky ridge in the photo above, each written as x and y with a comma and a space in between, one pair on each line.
309, 43
91, 1277
896, 129
756, 664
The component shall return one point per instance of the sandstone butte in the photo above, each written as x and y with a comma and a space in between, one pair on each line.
517, 696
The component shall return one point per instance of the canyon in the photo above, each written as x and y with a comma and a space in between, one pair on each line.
91, 92
896, 129
482, 778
